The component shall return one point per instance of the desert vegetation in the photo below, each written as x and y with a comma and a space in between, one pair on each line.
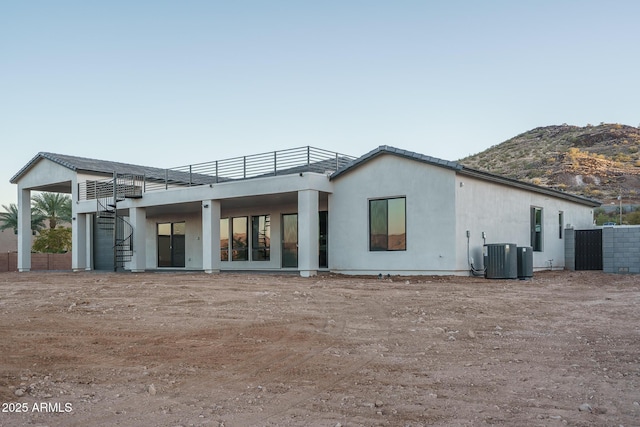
601, 162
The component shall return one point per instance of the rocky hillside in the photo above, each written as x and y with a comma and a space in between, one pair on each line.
599, 162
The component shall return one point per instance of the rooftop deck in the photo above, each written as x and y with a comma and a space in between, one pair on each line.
283, 162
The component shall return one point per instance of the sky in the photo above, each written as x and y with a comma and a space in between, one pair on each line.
171, 83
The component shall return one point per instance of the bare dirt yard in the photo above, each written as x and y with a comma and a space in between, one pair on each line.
190, 349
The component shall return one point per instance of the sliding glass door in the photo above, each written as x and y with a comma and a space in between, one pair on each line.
290, 240
171, 244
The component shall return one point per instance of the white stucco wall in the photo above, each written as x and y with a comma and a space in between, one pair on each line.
441, 206
247, 188
45, 172
503, 213
430, 217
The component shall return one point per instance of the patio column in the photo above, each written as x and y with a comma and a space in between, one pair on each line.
138, 218
79, 242
211, 236
308, 232
89, 246
24, 229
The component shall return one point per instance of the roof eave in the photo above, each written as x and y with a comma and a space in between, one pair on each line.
530, 187
31, 163
385, 149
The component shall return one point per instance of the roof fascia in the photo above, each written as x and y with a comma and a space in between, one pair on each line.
384, 149
31, 163
486, 176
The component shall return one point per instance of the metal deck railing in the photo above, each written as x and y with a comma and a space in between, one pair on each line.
283, 162
127, 185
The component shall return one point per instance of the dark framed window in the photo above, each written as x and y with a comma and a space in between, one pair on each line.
224, 239
289, 227
536, 229
261, 238
239, 234
560, 224
323, 258
387, 224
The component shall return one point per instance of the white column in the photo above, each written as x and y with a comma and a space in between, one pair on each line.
211, 236
138, 219
24, 229
89, 245
78, 242
308, 232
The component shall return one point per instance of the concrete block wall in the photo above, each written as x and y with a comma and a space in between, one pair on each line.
9, 261
621, 249
570, 249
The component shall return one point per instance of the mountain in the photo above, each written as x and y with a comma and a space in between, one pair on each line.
600, 162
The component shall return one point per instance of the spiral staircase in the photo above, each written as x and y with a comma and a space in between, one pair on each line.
121, 187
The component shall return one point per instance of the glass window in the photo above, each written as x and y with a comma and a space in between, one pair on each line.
164, 245
378, 225
179, 228
239, 246
289, 240
323, 258
560, 223
224, 239
164, 229
396, 229
260, 238
536, 229
387, 224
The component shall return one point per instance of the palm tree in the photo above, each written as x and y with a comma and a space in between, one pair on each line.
55, 207
9, 219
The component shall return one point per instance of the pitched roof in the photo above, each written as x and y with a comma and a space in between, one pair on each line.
459, 168
107, 167
303, 159
386, 149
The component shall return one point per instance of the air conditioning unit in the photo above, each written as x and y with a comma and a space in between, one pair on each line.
525, 262
500, 261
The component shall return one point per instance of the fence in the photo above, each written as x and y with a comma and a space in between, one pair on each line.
128, 185
283, 162
294, 160
619, 250
9, 261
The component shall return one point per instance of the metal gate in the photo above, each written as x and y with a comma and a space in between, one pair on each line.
102, 247
589, 249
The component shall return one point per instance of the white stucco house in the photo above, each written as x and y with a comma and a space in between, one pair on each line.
389, 211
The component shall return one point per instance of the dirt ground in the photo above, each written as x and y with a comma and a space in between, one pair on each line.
190, 349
